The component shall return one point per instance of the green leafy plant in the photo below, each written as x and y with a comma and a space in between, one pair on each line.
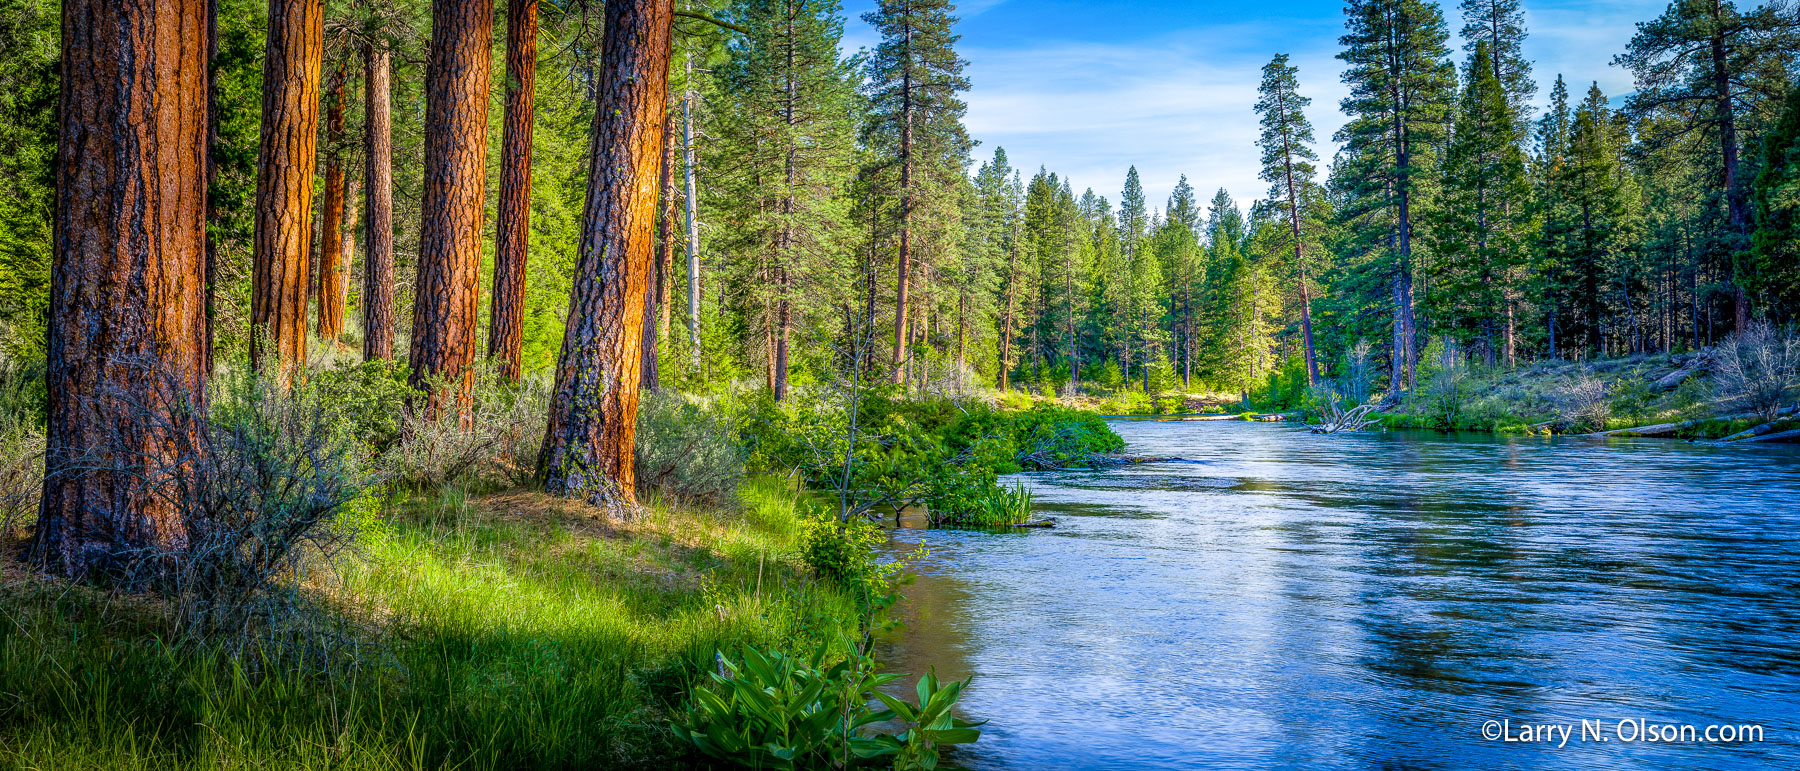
773, 711
929, 725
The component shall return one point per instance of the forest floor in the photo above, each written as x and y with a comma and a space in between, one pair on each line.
511, 630
1547, 397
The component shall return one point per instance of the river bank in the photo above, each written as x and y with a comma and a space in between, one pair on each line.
501, 631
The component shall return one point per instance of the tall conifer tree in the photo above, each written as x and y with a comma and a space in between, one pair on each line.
1401, 83
915, 122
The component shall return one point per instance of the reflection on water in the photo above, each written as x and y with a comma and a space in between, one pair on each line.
1368, 600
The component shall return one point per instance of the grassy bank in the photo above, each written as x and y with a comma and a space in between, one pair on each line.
512, 630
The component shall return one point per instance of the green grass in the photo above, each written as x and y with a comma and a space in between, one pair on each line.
513, 631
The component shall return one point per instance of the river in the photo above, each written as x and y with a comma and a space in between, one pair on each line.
1372, 600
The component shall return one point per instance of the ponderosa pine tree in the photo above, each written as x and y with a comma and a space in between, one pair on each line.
1710, 65
1401, 83
1014, 281
1287, 165
592, 428
512, 225
447, 289
1501, 25
330, 298
125, 373
377, 297
915, 121
284, 182
1481, 216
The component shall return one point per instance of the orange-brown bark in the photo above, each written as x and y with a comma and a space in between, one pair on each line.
593, 412
331, 257
284, 181
127, 329
448, 285
377, 298
512, 230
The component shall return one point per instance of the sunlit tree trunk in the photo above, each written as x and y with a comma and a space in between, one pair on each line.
284, 181
512, 232
378, 174
331, 260
125, 369
448, 285
588, 445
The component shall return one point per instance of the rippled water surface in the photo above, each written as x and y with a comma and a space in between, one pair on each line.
1369, 600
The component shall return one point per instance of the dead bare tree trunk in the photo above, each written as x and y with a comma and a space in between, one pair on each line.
378, 173
284, 181
127, 293
512, 232
588, 443
448, 285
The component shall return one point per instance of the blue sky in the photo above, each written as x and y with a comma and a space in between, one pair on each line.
1090, 88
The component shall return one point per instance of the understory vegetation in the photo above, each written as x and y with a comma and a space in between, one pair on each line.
384, 589
1749, 381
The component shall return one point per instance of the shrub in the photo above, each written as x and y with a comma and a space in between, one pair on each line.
278, 469
1449, 385
687, 449
370, 396
1582, 403
1758, 369
256, 492
497, 444
21, 475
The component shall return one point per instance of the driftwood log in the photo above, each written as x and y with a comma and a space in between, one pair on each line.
1667, 429
1335, 420
1779, 437
1695, 364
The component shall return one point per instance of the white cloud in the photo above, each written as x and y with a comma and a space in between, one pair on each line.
1181, 101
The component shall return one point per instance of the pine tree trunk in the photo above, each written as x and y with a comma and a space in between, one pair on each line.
448, 285
512, 231
1737, 202
665, 233
126, 357
211, 263
691, 202
331, 261
656, 301
284, 182
352, 192
377, 298
1006, 324
904, 266
589, 441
